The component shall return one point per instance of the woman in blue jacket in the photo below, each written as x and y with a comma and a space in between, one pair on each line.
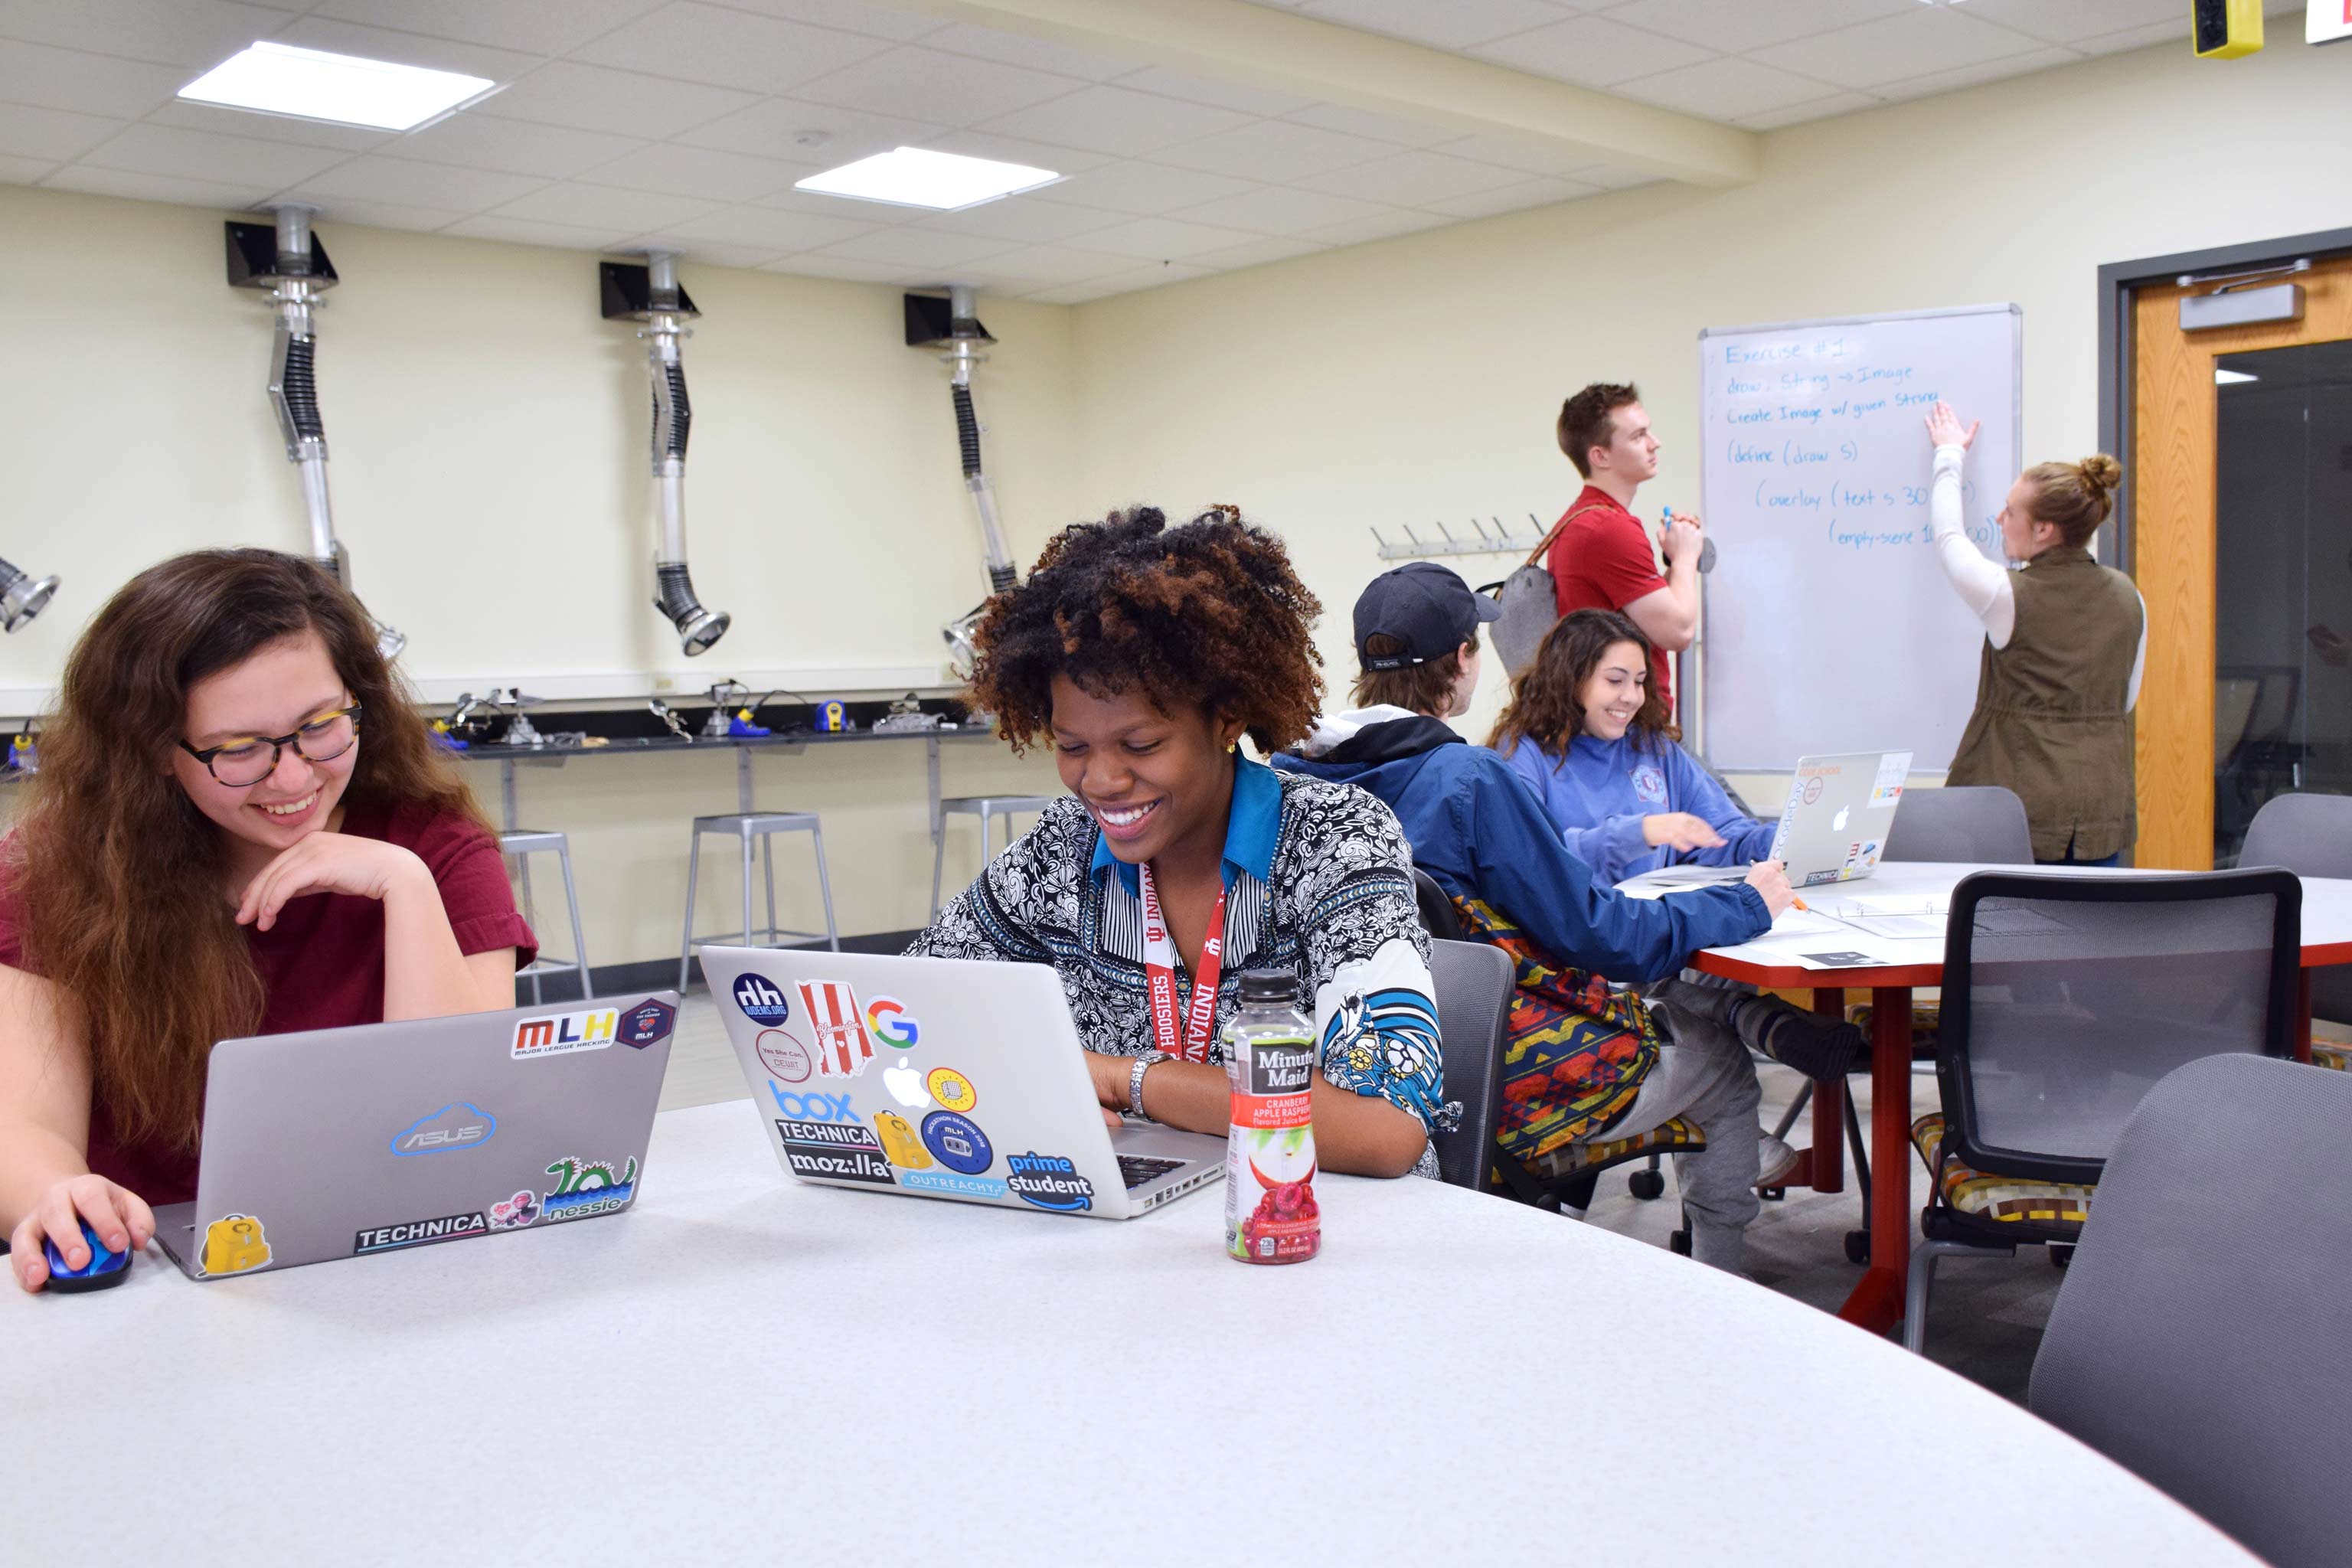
1591, 738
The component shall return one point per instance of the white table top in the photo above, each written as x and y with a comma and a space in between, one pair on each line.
742, 1369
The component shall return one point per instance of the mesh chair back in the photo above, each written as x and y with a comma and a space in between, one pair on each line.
2203, 1335
1968, 825
1438, 915
2310, 835
2067, 998
1474, 1004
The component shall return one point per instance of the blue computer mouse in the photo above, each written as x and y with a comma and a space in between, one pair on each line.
105, 1267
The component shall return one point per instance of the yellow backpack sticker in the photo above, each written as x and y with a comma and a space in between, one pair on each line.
235, 1244
899, 1143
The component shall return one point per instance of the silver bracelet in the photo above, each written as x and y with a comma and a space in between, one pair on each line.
1135, 1081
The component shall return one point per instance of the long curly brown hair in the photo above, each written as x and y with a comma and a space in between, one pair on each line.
1206, 616
118, 879
1543, 707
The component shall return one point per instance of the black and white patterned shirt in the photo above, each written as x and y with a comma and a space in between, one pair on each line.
1319, 883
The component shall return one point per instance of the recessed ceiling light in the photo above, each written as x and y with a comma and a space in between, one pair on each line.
277, 78
2226, 377
919, 177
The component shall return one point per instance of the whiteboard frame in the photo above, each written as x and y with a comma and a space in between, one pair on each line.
2016, 445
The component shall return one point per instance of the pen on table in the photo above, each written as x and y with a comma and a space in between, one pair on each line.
1802, 905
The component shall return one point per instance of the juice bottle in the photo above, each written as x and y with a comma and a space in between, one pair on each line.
1270, 1211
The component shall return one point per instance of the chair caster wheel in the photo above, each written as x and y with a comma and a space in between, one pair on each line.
1646, 1184
1857, 1248
2060, 1256
1680, 1243
1772, 1194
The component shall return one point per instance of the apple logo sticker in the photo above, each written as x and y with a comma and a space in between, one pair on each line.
905, 1086
1837, 823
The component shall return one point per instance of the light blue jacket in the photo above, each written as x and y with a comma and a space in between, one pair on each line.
1597, 795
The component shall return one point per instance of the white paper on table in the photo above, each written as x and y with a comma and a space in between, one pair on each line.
1899, 928
1794, 921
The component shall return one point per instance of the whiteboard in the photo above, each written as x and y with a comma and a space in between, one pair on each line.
1829, 626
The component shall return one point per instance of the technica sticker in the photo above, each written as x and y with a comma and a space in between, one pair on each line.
558, 1034
584, 1187
417, 1232
1049, 1182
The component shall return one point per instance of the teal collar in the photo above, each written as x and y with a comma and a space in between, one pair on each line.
1250, 830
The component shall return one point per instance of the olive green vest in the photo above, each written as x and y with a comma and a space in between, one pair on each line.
2051, 721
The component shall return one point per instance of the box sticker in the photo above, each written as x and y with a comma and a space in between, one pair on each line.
563, 1032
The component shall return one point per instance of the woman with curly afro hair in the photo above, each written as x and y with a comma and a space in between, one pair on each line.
1142, 654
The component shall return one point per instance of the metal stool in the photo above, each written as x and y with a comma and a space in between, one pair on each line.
522, 844
745, 827
983, 806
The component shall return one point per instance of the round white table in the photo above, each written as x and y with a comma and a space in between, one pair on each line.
742, 1369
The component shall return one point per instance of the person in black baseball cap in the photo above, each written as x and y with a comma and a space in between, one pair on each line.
1419, 613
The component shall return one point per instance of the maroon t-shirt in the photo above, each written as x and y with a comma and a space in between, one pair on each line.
1602, 562
322, 963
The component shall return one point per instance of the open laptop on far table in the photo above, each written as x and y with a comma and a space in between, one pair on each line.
1833, 828
940, 1078
340, 1142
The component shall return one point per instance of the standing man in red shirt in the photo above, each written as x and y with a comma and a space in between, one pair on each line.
1600, 557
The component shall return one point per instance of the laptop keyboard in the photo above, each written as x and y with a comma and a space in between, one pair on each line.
1137, 1169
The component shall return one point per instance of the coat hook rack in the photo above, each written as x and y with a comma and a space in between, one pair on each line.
1481, 541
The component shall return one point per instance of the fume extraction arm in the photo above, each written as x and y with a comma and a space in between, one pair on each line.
651, 294
288, 261
950, 326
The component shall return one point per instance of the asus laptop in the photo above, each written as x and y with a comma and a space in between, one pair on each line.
1833, 828
939, 1077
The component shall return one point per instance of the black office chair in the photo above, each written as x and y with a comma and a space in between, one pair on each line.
2311, 834
2065, 1000
1474, 1004
1437, 913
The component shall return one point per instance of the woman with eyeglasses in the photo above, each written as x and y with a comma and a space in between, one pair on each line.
241, 827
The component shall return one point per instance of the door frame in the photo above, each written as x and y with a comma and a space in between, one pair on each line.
2118, 281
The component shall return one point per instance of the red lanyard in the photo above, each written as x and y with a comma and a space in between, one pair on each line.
1159, 965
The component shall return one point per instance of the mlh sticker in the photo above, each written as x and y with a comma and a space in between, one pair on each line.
842, 1046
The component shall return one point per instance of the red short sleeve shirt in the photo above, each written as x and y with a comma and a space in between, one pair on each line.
321, 964
1602, 561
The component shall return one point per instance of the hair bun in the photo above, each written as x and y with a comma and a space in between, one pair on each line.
2101, 472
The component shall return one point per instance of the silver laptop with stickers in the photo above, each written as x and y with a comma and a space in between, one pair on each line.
343, 1142
1833, 828
940, 1078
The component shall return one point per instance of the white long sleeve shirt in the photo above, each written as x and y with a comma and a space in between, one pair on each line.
1983, 585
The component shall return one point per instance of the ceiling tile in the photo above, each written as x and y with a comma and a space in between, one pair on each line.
1530, 157
335, 210
1014, 150
1364, 122
158, 188
1387, 226
1142, 277
1257, 253
2085, 19
15, 170
1803, 113
1610, 178
2133, 38
1275, 149
954, 89
707, 252
606, 208
1591, 51
916, 247
1037, 54
590, 97
1042, 264
1726, 89
269, 127
847, 269
200, 33
201, 155
700, 172
781, 232
405, 49
1414, 179
533, 26
511, 146
523, 231
1116, 120
1281, 210
406, 183
1920, 40
91, 84
1735, 27
1144, 188
54, 134
1162, 238
768, 130
1969, 76
1018, 218
1452, 25
728, 48
1538, 192
1216, 94
849, 16
874, 214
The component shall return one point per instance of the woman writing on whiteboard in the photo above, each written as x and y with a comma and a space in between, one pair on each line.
2065, 638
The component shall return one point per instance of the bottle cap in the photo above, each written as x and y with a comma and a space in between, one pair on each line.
1269, 985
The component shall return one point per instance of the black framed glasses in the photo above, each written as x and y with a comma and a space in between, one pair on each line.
249, 759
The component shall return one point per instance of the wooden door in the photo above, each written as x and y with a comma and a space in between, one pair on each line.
2174, 558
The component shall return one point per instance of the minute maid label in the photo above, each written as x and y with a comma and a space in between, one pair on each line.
1280, 1066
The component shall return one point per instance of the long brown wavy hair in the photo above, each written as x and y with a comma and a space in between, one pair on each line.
118, 878
1543, 707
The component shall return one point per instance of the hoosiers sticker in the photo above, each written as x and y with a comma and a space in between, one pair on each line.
1049, 1182
417, 1232
563, 1032
837, 1029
